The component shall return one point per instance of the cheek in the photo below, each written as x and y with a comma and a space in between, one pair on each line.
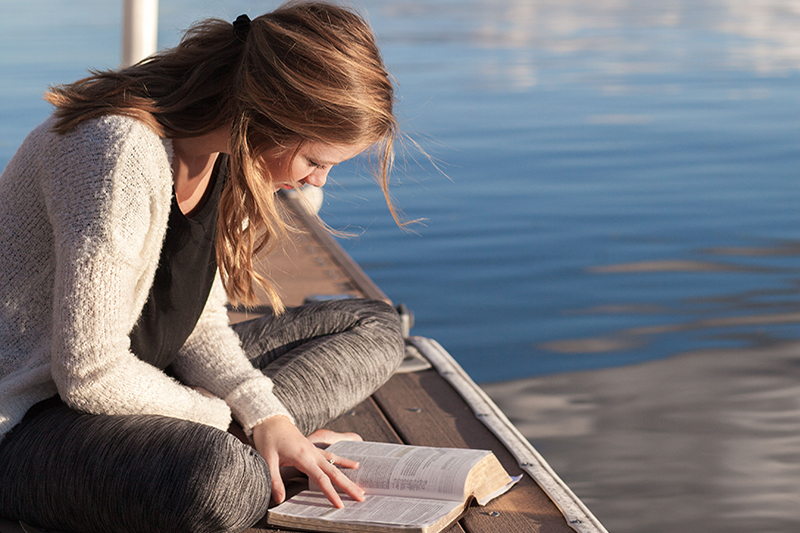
297, 171
273, 167
277, 163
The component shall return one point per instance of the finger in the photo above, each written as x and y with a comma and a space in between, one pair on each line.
323, 438
344, 482
278, 490
341, 462
324, 483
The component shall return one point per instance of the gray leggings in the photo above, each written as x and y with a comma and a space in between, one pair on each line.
82, 473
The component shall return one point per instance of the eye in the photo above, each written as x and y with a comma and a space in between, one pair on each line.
316, 165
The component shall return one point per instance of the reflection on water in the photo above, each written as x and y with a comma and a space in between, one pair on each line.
630, 34
624, 37
703, 441
707, 441
746, 309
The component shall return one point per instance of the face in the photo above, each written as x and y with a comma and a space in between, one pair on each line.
310, 165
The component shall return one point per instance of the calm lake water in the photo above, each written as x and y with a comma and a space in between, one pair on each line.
610, 241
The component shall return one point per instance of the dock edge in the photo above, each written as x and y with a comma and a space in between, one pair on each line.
577, 515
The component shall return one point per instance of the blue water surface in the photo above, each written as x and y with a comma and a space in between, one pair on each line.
608, 168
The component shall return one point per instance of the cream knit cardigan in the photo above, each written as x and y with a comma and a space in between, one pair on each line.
82, 221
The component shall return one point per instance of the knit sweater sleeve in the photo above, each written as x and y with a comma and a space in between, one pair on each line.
212, 358
108, 202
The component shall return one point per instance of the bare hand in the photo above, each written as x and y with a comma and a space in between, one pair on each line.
282, 444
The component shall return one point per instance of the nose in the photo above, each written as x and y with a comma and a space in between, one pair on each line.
317, 178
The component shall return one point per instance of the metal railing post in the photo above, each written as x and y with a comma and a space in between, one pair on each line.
139, 30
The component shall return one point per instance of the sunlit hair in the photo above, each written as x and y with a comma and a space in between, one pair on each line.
309, 71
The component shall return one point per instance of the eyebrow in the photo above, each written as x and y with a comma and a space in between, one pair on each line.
318, 161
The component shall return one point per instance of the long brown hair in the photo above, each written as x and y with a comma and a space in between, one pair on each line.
308, 71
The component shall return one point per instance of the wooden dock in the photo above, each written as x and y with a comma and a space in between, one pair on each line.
435, 406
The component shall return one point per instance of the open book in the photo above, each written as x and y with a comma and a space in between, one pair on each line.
414, 489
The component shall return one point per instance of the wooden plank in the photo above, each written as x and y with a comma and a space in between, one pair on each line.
300, 267
336, 253
312, 263
306, 264
425, 410
368, 421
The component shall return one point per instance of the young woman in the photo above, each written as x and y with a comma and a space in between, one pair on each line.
128, 218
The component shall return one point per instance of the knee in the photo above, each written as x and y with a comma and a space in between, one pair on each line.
199, 479
228, 487
382, 323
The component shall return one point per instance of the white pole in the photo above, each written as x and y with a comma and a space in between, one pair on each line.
139, 30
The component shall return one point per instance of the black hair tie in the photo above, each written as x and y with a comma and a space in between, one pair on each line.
241, 27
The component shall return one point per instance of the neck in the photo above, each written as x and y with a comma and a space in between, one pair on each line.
192, 165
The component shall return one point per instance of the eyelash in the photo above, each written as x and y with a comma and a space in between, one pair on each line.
316, 165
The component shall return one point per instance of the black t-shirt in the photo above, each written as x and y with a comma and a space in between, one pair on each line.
186, 270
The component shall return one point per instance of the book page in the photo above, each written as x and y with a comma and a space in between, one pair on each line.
375, 509
413, 471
